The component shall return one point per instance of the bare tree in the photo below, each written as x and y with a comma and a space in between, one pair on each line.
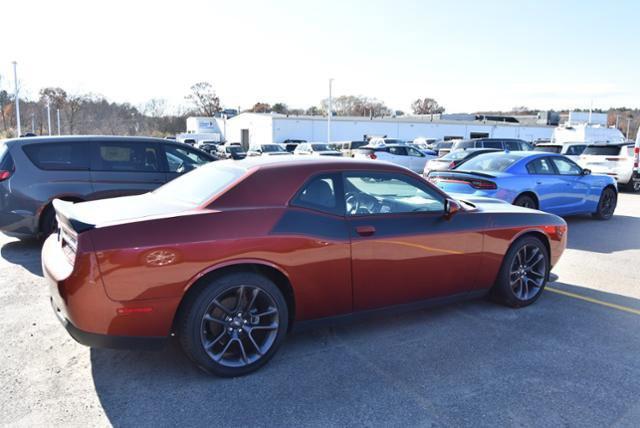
261, 108
74, 104
352, 105
426, 106
204, 99
155, 107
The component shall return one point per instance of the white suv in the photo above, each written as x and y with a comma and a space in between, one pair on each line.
619, 161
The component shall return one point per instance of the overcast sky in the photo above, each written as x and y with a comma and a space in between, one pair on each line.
469, 55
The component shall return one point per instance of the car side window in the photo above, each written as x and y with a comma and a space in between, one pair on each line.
178, 157
66, 156
540, 166
512, 146
575, 150
414, 152
383, 193
566, 167
320, 193
492, 144
127, 156
398, 151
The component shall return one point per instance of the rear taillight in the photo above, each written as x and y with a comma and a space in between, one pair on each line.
483, 184
636, 157
4, 175
373, 156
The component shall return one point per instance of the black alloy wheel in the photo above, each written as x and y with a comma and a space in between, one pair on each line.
524, 273
234, 324
607, 204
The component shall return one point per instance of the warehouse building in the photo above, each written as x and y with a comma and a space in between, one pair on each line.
255, 128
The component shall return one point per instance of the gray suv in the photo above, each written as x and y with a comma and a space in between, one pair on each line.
36, 170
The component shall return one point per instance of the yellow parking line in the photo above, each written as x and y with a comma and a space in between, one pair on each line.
596, 301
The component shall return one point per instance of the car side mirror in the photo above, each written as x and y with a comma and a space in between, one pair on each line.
451, 206
586, 171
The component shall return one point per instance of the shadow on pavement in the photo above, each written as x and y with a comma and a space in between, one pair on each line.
619, 233
468, 364
25, 254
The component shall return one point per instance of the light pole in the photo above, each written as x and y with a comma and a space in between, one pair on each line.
49, 115
15, 78
628, 125
329, 113
58, 116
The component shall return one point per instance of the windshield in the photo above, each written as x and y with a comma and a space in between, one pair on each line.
464, 144
548, 149
234, 149
200, 185
602, 150
490, 162
270, 148
455, 155
444, 145
394, 141
320, 147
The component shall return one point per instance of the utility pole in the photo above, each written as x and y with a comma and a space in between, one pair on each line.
33, 123
617, 120
15, 78
628, 125
49, 115
329, 113
58, 115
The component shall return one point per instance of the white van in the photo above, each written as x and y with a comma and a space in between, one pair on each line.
586, 133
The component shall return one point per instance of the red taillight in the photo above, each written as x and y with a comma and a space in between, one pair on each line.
636, 157
483, 184
4, 175
373, 156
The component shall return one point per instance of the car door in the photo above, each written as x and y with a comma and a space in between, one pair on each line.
125, 167
398, 155
576, 187
417, 159
403, 249
545, 183
180, 160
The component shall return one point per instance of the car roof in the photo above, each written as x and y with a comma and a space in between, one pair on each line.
67, 138
312, 163
612, 144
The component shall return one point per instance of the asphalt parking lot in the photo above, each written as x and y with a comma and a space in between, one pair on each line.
570, 359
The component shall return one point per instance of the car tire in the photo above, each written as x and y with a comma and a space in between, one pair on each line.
526, 201
48, 222
606, 204
524, 273
229, 336
634, 186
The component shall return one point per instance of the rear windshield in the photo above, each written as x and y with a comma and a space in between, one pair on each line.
201, 184
602, 150
455, 155
490, 162
321, 147
548, 149
464, 145
272, 148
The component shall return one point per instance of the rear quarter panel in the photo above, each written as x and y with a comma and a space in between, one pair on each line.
171, 254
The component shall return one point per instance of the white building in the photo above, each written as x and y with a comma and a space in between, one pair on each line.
255, 128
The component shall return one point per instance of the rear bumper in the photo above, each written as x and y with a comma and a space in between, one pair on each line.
95, 340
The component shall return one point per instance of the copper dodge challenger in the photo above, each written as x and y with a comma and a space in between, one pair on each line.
233, 255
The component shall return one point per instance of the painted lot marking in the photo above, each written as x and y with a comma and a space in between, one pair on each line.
595, 301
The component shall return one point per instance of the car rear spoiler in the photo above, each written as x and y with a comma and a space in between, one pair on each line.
453, 174
64, 214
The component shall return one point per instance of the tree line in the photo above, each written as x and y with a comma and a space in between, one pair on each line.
93, 114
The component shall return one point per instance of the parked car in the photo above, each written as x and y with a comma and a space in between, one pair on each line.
291, 144
408, 157
381, 141
544, 181
270, 149
36, 170
570, 150
231, 151
230, 257
348, 147
425, 143
443, 147
316, 149
619, 161
453, 159
511, 144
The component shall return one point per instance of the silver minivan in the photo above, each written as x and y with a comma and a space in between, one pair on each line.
36, 170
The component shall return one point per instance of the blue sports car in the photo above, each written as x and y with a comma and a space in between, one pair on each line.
545, 181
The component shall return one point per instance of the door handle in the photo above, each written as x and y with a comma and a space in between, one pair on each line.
365, 230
